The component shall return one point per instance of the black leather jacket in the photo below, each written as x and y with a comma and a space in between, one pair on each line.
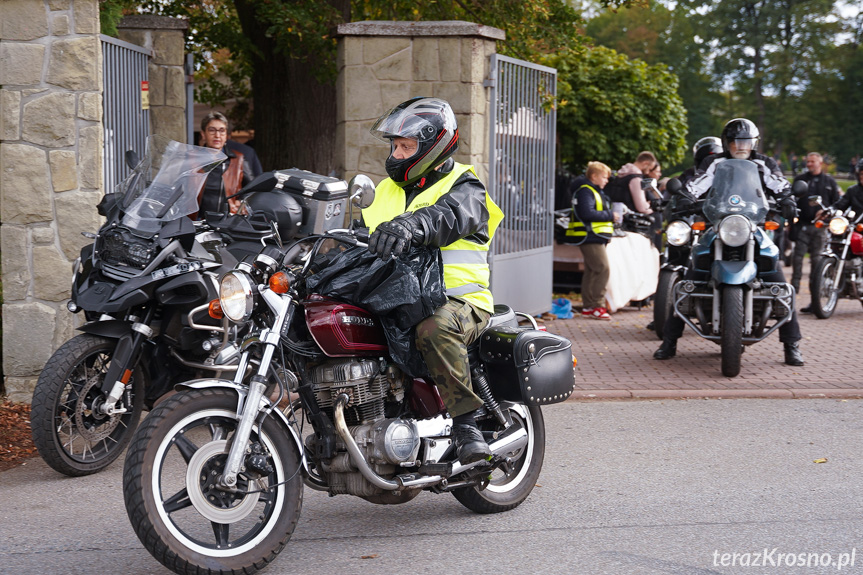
461, 213
853, 198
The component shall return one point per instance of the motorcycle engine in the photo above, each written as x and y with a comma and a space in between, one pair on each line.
386, 443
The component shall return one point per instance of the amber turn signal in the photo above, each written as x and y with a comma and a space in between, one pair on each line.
698, 226
215, 309
279, 282
574, 361
819, 224
860, 228
771, 225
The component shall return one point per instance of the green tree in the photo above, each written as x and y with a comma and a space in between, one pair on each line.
610, 108
766, 50
287, 52
657, 34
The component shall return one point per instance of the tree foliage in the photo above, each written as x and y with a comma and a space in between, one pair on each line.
610, 108
657, 34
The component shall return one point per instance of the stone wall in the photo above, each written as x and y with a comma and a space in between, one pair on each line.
382, 64
165, 37
50, 171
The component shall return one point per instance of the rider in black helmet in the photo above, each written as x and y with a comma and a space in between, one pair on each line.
740, 142
431, 200
703, 148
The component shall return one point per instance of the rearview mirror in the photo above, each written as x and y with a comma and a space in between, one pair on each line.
362, 191
673, 186
132, 159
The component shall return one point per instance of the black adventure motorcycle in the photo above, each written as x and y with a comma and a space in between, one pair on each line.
145, 286
213, 480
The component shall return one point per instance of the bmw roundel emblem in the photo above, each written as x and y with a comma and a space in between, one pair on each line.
734, 200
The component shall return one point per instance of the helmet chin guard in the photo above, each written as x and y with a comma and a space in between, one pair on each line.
429, 121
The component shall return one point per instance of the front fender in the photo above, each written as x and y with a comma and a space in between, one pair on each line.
733, 273
112, 328
242, 392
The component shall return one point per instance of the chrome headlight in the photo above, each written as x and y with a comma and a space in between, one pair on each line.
678, 233
735, 231
838, 226
236, 296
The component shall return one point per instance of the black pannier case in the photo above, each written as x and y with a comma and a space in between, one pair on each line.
527, 365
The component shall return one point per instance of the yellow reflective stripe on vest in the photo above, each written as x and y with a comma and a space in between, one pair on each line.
577, 229
466, 271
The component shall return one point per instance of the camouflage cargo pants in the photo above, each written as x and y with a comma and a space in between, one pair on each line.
442, 339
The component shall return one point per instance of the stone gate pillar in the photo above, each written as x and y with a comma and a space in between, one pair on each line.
166, 38
50, 171
382, 64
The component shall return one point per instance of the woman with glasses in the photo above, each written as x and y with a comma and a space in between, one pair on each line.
227, 179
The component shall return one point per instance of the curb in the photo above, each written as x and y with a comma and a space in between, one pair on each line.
605, 394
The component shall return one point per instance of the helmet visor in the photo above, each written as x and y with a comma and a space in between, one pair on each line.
419, 123
741, 147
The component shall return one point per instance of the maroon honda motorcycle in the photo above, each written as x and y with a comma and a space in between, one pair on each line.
214, 477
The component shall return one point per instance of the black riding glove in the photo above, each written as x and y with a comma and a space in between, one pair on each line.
393, 238
789, 208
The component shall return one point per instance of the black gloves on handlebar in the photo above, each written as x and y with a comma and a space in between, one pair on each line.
789, 208
393, 238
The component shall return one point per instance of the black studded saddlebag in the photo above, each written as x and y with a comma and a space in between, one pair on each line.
527, 365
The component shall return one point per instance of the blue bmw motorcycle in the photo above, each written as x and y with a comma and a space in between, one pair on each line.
725, 296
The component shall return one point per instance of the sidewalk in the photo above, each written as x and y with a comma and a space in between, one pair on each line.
615, 359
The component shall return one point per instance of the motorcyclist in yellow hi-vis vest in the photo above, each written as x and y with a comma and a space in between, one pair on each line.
431, 200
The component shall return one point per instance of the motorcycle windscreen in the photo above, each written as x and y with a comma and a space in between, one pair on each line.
736, 189
165, 185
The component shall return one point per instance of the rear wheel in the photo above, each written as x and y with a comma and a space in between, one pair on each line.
507, 491
70, 432
731, 330
664, 300
824, 288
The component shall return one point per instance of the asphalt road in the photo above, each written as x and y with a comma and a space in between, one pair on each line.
646, 487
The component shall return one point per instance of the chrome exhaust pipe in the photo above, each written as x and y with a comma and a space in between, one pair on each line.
511, 440
354, 451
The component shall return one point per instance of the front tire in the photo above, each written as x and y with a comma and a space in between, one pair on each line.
664, 300
505, 492
71, 436
825, 293
174, 504
731, 330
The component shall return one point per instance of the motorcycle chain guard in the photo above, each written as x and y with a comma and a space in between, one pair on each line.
527, 365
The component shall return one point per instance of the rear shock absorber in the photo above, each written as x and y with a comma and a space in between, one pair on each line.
480, 382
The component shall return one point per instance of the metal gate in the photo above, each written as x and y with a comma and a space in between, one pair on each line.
521, 181
126, 121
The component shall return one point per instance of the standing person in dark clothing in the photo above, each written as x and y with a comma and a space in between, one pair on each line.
591, 226
806, 236
740, 141
230, 176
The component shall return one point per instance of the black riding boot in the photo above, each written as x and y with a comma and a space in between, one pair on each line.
792, 353
667, 350
469, 443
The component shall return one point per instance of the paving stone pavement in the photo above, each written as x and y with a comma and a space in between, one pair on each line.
615, 359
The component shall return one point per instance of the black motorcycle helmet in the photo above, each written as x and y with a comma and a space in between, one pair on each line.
279, 207
744, 133
704, 147
429, 121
